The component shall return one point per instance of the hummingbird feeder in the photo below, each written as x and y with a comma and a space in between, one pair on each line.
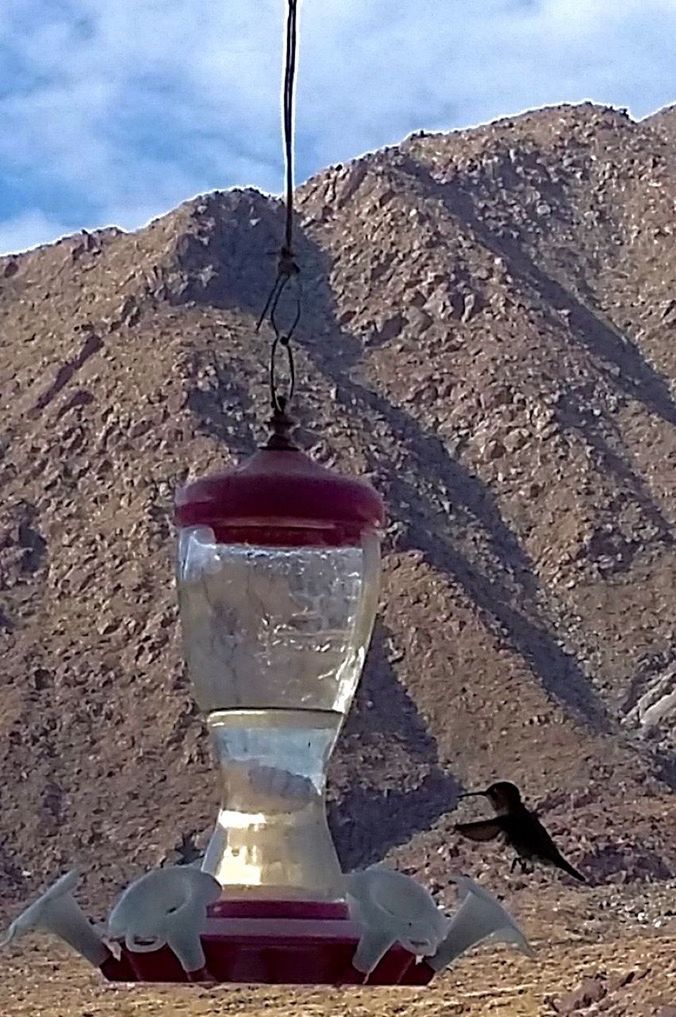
277, 575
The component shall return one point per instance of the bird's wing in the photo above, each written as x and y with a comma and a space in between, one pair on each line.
484, 829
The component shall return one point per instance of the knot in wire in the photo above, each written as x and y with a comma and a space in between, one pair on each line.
286, 263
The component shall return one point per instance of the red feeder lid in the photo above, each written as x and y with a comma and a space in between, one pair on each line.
280, 497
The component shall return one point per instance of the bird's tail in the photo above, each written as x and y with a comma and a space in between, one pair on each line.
567, 867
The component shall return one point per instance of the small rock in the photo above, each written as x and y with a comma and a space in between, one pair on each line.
469, 308
593, 989
493, 449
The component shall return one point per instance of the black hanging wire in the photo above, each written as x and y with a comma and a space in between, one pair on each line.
287, 267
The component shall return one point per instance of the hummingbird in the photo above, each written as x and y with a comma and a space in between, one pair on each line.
519, 828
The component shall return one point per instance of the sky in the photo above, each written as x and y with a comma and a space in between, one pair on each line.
114, 111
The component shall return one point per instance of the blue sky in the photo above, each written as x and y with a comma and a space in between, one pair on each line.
114, 111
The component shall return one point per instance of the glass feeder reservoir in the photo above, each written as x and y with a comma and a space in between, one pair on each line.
278, 581
278, 577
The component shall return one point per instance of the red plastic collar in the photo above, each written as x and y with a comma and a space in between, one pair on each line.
273, 943
281, 498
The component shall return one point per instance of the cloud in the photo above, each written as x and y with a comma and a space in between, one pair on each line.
113, 112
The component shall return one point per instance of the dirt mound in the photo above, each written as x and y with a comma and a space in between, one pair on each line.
488, 333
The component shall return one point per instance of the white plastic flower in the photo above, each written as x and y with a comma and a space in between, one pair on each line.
479, 917
57, 911
166, 906
392, 908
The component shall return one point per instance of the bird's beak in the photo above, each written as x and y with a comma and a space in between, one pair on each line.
472, 794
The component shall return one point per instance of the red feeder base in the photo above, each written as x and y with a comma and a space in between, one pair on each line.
273, 943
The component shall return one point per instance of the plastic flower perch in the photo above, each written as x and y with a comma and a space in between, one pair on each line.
392, 908
166, 907
169, 907
57, 911
480, 916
